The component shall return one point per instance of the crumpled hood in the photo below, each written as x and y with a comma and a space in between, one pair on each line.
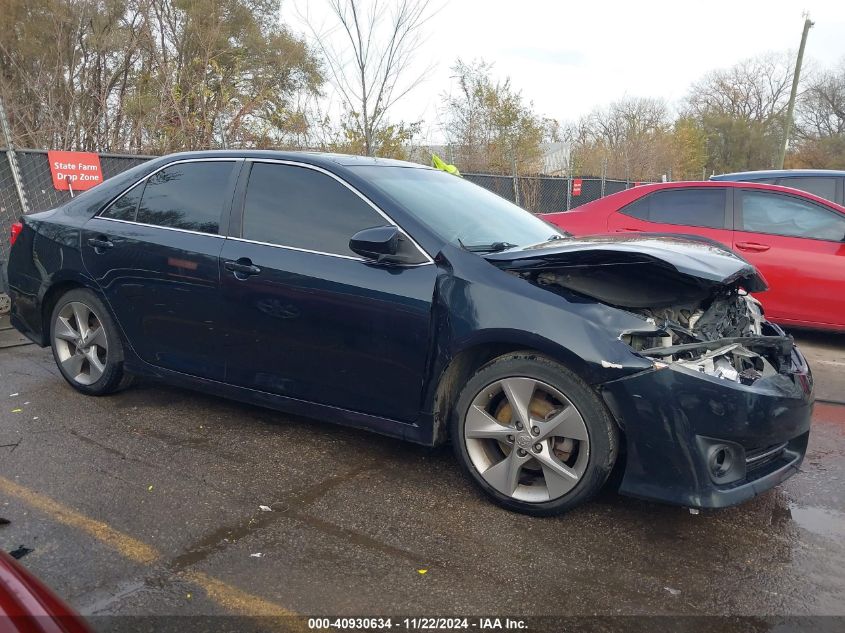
688, 256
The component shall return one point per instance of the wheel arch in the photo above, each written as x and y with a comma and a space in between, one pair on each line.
51, 296
472, 357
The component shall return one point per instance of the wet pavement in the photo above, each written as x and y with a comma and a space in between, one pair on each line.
149, 502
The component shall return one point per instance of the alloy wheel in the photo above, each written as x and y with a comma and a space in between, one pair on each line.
526, 439
81, 343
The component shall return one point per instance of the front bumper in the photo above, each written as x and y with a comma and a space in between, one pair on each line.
674, 417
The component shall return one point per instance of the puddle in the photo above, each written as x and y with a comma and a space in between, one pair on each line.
821, 521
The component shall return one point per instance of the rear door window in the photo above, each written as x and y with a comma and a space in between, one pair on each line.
638, 208
126, 206
187, 196
685, 207
780, 214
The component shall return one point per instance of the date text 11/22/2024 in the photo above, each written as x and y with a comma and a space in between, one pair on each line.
419, 624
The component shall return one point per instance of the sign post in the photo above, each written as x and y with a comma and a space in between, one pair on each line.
75, 171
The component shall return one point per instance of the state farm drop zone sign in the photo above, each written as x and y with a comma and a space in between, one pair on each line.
75, 171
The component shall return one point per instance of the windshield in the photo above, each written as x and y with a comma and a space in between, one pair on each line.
458, 211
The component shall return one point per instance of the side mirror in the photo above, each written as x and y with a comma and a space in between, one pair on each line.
385, 245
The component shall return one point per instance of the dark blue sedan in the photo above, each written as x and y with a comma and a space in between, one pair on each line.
405, 300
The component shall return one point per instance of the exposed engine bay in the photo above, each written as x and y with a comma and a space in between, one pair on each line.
722, 335
725, 339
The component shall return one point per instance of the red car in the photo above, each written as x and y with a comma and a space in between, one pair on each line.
28, 606
795, 238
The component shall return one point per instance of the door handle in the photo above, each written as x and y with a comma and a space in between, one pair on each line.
100, 243
627, 229
243, 266
753, 247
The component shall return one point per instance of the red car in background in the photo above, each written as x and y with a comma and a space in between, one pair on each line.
28, 606
795, 238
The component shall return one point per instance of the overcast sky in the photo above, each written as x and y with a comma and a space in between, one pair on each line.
568, 57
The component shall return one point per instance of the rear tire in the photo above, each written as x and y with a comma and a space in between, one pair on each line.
86, 344
533, 436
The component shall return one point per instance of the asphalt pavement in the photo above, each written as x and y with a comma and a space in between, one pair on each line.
150, 502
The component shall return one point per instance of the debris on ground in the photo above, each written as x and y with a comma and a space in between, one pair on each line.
674, 592
265, 508
19, 553
256, 555
4, 521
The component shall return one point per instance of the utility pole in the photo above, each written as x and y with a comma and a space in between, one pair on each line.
787, 126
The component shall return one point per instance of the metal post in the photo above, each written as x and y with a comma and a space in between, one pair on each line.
12, 158
515, 176
568, 191
603, 175
787, 126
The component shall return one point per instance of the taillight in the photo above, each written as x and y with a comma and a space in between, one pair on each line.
17, 227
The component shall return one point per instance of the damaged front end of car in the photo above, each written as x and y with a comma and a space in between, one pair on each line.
724, 412
723, 336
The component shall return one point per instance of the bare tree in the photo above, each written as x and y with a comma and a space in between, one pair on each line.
820, 124
755, 89
822, 108
742, 111
489, 124
629, 138
368, 54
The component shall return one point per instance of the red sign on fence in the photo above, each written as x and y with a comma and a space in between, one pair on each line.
75, 171
576, 186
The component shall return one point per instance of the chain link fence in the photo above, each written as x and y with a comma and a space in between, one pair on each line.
538, 194
10, 204
549, 194
37, 184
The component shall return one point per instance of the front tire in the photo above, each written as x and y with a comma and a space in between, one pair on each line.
533, 436
86, 344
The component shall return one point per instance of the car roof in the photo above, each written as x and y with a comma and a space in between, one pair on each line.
324, 159
780, 173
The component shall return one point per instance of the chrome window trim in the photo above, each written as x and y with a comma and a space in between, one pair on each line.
166, 228
307, 250
108, 206
370, 203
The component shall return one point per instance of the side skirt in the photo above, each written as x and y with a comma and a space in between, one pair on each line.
414, 432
